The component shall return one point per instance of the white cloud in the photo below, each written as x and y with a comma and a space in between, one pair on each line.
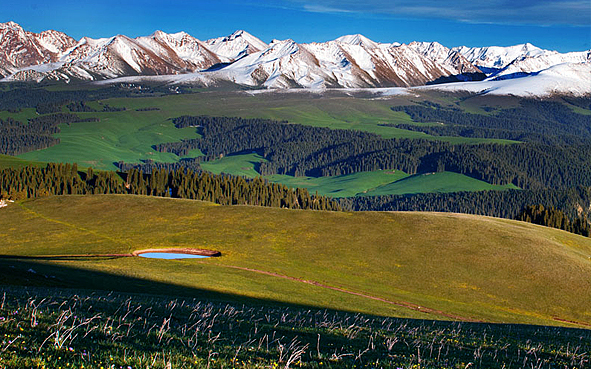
537, 12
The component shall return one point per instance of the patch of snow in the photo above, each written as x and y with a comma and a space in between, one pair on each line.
567, 78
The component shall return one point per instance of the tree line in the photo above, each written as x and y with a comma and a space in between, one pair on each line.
66, 179
19, 96
574, 202
552, 217
547, 122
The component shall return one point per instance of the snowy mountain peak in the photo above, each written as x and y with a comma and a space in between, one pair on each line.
451, 60
426, 48
529, 47
358, 40
498, 57
21, 49
235, 46
566, 78
11, 25
238, 33
279, 42
179, 35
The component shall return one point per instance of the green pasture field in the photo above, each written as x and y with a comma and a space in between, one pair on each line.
239, 165
334, 186
332, 111
21, 116
373, 183
436, 182
118, 136
417, 265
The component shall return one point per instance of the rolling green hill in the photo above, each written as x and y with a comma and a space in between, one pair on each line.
420, 265
435, 182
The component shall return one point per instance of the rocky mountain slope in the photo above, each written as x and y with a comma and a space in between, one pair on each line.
351, 61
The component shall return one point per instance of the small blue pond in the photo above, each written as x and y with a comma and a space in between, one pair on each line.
170, 255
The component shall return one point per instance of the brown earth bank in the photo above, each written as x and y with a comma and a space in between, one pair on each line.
190, 251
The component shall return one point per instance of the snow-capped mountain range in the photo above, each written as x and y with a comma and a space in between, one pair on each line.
351, 61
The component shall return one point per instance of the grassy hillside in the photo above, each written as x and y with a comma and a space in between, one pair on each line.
118, 136
7, 161
421, 265
57, 328
435, 182
343, 185
240, 165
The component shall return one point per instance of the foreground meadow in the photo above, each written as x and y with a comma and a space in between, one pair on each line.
56, 328
416, 265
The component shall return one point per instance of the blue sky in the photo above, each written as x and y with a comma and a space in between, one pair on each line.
563, 25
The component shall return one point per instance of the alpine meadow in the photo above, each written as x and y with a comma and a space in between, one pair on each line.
243, 202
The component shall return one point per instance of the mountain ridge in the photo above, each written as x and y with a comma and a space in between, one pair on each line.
350, 61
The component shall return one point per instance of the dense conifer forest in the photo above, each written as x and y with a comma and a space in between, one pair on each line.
570, 206
574, 202
547, 122
20, 96
551, 217
65, 179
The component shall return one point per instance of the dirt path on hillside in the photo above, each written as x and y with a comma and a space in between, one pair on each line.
404, 304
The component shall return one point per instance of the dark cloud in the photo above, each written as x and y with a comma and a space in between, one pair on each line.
535, 12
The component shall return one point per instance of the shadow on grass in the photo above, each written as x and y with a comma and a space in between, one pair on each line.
31, 271
40, 274
66, 257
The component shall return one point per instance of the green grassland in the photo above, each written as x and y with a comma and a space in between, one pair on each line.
373, 183
60, 328
240, 165
335, 111
344, 185
21, 116
419, 265
118, 136
334, 186
436, 182
7, 161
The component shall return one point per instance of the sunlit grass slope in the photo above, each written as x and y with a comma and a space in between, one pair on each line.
436, 182
459, 266
343, 185
7, 161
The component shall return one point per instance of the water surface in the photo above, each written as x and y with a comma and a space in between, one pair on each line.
170, 255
